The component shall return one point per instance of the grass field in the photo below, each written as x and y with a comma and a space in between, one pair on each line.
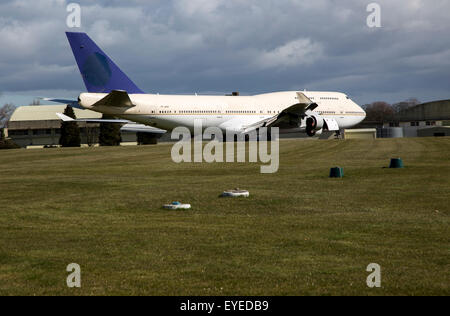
300, 233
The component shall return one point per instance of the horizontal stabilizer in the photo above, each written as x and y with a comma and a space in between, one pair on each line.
117, 98
62, 101
72, 103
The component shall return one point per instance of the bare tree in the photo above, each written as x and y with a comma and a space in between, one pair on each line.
404, 105
36, 102
5, 113
379, 112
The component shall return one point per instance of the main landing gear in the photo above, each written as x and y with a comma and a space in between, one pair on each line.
338, 135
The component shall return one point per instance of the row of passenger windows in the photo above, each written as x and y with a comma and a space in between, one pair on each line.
328, 98
188, 112
240, 112
327, 112
199, 112
213, 112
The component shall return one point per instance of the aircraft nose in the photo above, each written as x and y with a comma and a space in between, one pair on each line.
362, 111
365, 114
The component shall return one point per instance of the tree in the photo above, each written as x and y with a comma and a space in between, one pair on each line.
91, 134
146, 138
404, 105
379, 112
5, 113
70, 132
6, 143
36, 102
109, 133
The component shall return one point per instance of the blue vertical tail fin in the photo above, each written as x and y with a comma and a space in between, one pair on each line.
99, 72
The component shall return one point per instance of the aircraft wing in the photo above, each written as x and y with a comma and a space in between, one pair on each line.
128, 127
141, 128
66, 118
290, 117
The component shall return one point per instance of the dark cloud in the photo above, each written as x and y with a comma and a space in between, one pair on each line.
187, 46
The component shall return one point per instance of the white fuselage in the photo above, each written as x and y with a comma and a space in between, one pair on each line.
226, 112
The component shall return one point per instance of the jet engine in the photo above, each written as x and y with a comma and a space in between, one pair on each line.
314, 123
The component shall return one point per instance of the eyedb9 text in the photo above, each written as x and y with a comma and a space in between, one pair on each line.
246, 305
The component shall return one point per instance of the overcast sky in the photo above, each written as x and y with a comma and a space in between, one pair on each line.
219, 46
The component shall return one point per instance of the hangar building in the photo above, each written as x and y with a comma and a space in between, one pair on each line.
423, 120
38, 126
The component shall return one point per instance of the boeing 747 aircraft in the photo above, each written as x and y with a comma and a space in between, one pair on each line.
111, 92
